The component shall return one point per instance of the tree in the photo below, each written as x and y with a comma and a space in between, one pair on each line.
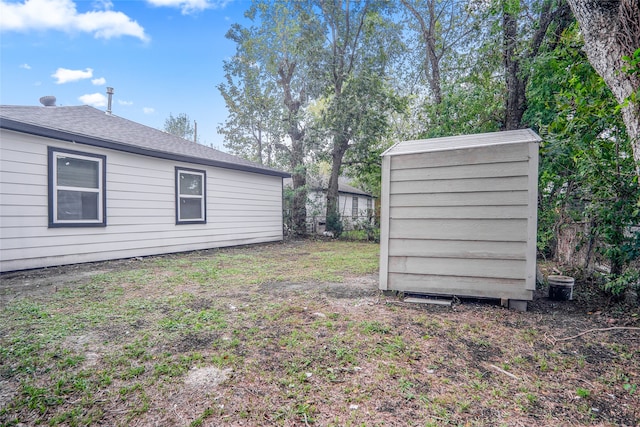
520, 50
357, 34
252, 127
611, 31
482, 79
279, 58
448, 47
443, 26
586, 171
179, 126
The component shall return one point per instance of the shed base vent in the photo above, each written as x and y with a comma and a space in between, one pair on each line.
427, 300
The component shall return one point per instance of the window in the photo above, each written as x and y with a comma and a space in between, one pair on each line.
369, 208
190, 196
77, 196
354, 207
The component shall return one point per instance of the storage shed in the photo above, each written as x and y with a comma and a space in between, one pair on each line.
458, 216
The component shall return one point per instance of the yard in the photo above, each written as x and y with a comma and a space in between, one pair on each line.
297, 334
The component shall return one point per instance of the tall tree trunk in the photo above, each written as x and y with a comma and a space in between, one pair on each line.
345, 39
516, 54
341, 144
259, 147
515, 100
611, 30
299, 178
298, 167
431, 59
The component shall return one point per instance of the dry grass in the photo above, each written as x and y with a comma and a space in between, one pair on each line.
295, 334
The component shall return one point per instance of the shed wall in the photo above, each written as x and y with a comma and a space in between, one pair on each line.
242, 208
460, 222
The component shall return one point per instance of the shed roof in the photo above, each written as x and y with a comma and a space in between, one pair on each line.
462, 141
90, 126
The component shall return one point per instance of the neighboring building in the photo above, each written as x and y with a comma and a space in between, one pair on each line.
79, 185
355, 206
458, 216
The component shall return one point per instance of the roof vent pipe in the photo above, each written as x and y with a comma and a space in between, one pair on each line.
48, 101
109, 97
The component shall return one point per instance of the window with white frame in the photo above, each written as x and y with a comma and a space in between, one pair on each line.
77, 195
354, 207
369, 208
190, 196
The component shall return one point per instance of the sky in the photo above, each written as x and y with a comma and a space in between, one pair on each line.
161, 57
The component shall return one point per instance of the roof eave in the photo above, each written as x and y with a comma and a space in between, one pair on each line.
32, 129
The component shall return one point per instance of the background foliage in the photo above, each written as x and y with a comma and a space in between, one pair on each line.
365, 74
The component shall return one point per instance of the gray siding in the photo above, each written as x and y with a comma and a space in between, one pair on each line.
242, 208
460, 221
317, 207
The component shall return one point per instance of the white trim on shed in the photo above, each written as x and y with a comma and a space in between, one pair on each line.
459, 215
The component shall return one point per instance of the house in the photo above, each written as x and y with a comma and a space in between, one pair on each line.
459, 215
354, 205
81, 185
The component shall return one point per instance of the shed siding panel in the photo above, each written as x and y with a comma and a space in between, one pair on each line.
461, 286
457, 249
467, 185
459, 220
487, 268
483, 170
473, 156
384, 223
242, 208
459, 212
532, 226
480, 198
512, 230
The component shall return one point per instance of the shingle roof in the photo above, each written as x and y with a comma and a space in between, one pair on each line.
90, 126
319, 185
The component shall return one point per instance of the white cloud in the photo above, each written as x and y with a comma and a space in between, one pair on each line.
102, 4
148, 110
190, 6
62, 15
25, 66
125, 103
64, 75
99, 81
94, 99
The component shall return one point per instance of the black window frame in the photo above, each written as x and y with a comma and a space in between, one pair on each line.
202, 220
101, 159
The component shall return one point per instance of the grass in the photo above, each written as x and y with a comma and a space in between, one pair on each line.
308, 340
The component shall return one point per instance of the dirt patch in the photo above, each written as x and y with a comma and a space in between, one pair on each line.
45, 281
350, 288
207, 378
194, 341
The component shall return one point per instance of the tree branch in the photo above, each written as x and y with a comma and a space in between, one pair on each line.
628, 328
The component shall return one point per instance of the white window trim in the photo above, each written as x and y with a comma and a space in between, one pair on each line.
202, 197
53, 199
355, 203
